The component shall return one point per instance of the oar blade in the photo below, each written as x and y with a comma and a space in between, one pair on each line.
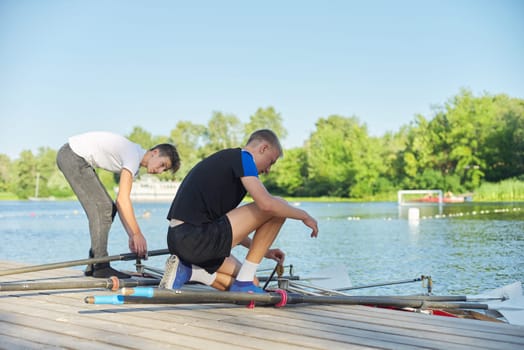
511, 303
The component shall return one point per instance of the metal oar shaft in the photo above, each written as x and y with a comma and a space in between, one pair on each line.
387, 302
58, 265
435, 297
379, 284
111, 283
275, 279
165, 296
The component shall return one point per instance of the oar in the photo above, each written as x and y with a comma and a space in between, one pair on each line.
58, 265
279, 298
112, 283
418, 279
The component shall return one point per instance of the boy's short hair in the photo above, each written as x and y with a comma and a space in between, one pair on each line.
170, 151
268, 136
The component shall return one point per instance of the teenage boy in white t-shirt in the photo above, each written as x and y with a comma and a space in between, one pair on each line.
78, 160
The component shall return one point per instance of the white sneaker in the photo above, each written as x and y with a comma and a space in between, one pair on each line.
175, 275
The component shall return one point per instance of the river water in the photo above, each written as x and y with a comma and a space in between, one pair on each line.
465, 248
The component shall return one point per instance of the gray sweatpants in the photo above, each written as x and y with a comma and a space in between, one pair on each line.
95, 200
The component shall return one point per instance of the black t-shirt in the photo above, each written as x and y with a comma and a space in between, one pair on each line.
212, 188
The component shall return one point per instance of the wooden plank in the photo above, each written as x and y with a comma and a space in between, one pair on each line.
135, 325
326, 330
61, 319
247, 331
65, 334
421, 321
126, 331
8, 343
414, 332
52, 311
481, 330
42, 337
414, 324
251, 337
424, 319
221, 315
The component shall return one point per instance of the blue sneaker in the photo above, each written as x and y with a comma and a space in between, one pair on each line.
176, 274
245, 286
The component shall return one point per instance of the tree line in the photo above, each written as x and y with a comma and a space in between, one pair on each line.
468, 141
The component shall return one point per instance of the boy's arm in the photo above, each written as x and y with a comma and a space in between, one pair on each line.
277, 206
137, 241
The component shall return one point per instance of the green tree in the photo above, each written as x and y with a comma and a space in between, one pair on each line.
342, 159
266, 118
392, 146
189, 139
504, 151
109, 180
426, 160
470, 138
25, 175
440, 144
58, 185
223, 131
470, 121
142, 137
376, 169
468, 141
5, 172
418, 153
288, 175
45, 168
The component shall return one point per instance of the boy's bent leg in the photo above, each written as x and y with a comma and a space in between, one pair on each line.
226, 273
91, 194
243, 221
97, 204
225, 279
249, 218
263, 238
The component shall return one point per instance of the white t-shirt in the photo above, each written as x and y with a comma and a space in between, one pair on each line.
108, 151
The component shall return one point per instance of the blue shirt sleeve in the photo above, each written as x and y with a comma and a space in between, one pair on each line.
248, 164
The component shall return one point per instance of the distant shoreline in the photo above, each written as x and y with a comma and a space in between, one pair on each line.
289, 199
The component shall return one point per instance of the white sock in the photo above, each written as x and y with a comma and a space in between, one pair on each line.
199, 274
247, 272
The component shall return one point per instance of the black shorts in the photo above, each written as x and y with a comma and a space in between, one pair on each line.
205, 245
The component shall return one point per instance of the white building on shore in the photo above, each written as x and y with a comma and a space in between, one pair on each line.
150, 189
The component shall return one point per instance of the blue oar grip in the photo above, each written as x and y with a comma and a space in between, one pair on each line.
146, 292
108, 299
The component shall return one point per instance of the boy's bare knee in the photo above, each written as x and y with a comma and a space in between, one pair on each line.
276, 220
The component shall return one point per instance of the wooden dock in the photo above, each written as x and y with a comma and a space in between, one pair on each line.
59, 319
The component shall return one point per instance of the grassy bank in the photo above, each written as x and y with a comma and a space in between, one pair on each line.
511, 190
8, 196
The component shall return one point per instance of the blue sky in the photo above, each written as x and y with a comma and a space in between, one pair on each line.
68, 67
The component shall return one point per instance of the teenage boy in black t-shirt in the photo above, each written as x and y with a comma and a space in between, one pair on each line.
206, 221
